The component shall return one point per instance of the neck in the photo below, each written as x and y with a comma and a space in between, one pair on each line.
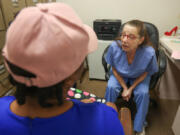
32, 108
130, 56
131, 53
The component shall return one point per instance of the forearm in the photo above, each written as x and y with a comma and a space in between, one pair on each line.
107, 103
138, 80
119, 78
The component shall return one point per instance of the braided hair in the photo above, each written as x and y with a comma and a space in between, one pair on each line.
41, 94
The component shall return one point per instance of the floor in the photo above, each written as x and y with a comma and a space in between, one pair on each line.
160, 118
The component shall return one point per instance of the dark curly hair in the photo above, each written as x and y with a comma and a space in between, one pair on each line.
41, 94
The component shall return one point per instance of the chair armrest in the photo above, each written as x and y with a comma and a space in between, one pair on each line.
105, 65
125, 118
162, 63
107, 74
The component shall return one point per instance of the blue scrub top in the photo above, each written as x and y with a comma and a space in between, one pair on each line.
144, 61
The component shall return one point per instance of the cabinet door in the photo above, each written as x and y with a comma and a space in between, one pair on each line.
10, 8
2, 39
5, 85
33, 2
2, 26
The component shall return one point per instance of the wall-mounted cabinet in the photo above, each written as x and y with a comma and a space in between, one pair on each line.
33, 2
46, 1
10, 8
2, 38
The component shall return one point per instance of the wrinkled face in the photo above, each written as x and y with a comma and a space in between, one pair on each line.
130, 38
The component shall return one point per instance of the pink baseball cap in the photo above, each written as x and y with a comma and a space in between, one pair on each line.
50, 41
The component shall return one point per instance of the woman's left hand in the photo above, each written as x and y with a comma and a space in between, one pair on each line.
87, 100
107, 103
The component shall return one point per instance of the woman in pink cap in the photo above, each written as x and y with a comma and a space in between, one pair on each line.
44, 51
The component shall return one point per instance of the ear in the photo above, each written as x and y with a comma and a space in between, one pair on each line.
70, 81
141, 40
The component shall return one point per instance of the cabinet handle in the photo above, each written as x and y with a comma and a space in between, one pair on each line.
35, 1
15, 3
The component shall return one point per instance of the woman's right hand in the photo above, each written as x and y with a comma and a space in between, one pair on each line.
126, 94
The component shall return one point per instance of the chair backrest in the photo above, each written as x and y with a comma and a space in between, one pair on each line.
153, 34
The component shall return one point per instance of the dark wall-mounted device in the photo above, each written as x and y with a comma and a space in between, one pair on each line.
106, 29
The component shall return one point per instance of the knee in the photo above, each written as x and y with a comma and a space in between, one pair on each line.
111, 86
141, 97
142, 93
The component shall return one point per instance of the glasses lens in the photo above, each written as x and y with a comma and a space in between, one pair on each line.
131, 36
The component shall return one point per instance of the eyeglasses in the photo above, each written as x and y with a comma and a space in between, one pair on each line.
130, 37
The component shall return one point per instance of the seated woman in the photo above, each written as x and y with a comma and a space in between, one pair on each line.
133, 61
44, 51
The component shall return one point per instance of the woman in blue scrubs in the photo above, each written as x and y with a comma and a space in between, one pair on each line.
133, 60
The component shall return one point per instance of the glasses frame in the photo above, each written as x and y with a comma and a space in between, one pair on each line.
129, 37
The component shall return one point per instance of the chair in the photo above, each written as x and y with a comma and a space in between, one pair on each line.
161, 58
